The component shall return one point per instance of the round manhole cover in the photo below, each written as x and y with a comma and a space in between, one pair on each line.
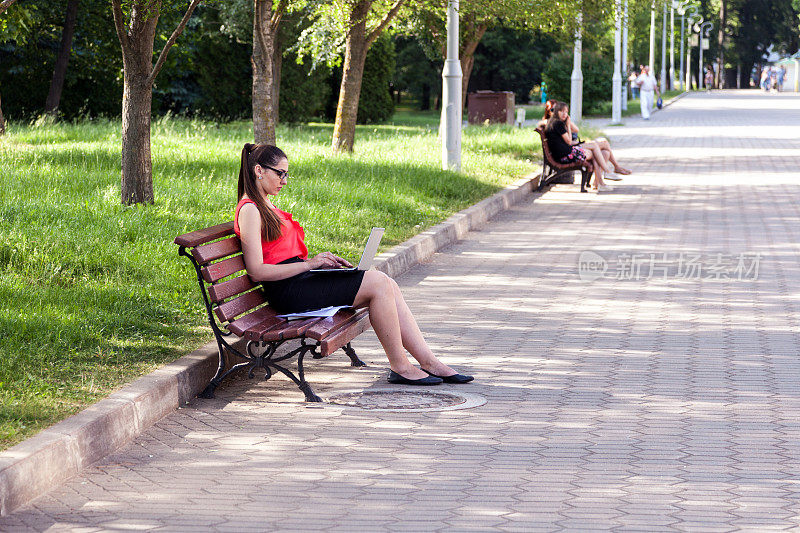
406, 400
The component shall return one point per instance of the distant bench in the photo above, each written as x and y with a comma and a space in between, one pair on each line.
552, 170
236, 305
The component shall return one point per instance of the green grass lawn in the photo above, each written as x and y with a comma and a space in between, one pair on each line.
93, 294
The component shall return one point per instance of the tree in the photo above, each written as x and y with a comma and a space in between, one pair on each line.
5, 4
353, 25
60, 69
478, 16
512, 60
265, 32
136, 33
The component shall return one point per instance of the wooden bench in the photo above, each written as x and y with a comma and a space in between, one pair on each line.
237, 309
552, 170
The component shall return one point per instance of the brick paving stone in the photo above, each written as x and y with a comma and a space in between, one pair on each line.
654, 397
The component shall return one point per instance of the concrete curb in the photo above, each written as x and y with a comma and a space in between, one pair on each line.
39, 464
672, 100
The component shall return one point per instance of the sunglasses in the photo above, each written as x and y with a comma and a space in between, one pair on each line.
282, 174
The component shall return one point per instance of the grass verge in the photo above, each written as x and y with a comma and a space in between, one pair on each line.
93, 294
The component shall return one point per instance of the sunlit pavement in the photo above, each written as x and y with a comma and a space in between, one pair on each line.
637, 350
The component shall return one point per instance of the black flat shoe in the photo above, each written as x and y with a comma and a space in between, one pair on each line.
397, 379
455, 378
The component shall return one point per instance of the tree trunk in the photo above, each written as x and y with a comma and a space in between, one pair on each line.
137, 166
2, 120
721, 44
467, 62
277, 64
137, 97
468, 58
60, 70
344, 128
263, 48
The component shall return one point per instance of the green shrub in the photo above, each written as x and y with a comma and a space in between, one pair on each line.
375, 103
596, 77
304, 92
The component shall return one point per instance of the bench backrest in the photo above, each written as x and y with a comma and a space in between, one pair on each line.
217, 255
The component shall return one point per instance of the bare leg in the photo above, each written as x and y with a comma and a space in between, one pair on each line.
396, 328
598, 172
413, 341
599, 159
603, 143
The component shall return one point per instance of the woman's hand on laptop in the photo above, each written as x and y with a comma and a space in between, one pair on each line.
328, 260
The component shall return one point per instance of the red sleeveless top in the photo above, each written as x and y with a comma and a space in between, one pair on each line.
289, 244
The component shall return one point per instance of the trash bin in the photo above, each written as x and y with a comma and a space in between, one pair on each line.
496, 107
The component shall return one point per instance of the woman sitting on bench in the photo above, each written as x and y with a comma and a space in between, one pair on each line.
567, 151
275, 254
601, 142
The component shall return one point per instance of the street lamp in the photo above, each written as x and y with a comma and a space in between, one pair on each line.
690, 23
576, 80
624, 69
451, 95
675, 4
652, 57
705, 29
616, 78
664, 48
685, 13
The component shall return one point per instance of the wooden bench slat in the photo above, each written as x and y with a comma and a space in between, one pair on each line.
217, 250
329, 325
290, 329
202, 236
219, 292
261, 317
343, 335
223, 269
240, 305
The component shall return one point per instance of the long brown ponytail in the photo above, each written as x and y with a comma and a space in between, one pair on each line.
264, 155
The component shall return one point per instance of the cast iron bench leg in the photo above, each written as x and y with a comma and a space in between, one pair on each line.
351, 353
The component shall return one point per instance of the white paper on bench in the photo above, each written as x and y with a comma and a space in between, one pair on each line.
324, 312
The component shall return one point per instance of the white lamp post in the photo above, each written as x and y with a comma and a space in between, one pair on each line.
705, 28
664, 48
689, 14
680, 6
451, 95
576, 80
616, 78
672, 45
652, 56
624, 68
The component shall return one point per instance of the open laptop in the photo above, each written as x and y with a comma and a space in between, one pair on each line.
370, 249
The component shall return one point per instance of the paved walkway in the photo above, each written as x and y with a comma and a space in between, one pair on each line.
625, 389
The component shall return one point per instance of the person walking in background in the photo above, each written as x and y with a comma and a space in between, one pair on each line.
765, 79
632, 79
709, 77
781, 75
647, 86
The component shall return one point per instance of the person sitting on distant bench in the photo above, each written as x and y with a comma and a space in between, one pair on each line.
601, 142
566, 151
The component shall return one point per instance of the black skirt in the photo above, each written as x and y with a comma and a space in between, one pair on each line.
312, 290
